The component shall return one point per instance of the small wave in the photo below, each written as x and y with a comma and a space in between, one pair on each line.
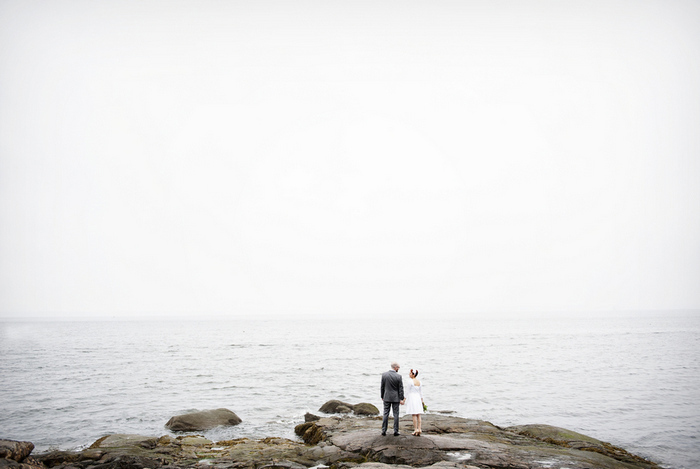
225, 387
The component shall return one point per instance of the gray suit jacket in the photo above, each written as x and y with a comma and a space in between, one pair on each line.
392, 387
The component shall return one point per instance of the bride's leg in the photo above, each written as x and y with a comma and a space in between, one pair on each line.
415, 423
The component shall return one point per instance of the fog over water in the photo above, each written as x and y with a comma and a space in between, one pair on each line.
170, 158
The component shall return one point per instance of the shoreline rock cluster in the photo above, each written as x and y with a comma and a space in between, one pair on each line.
344, 440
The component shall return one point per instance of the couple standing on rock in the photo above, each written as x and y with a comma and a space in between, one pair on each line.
393, 395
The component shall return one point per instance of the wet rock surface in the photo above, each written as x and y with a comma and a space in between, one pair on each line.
342, 442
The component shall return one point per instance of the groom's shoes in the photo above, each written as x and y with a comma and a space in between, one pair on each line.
396, 433
383, 433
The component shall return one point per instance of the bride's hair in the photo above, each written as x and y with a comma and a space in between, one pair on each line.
415, 373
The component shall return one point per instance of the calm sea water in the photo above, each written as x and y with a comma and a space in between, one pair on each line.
632, 381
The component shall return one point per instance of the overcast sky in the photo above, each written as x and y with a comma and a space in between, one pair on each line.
221, 158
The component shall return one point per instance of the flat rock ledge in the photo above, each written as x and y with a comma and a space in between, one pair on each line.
448, 440
343, 442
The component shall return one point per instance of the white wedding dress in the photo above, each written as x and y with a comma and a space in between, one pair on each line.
414, 398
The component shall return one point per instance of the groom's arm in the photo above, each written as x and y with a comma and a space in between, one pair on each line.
381, 389
401, 396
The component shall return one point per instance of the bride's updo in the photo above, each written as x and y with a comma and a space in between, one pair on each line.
415, 373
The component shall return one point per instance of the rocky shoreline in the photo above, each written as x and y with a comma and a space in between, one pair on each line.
342, 440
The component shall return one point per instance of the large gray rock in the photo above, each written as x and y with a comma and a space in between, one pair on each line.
448, 440
335, 406
204, 420
364, 408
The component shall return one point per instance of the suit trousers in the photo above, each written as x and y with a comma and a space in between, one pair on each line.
385, 421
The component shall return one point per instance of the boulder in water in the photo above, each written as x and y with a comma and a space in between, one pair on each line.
364, 408
202, 420
335, 406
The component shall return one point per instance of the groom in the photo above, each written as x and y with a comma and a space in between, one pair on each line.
392, 395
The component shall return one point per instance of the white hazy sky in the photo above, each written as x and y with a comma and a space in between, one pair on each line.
170, 158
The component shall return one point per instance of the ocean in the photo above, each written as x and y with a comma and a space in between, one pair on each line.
631, 380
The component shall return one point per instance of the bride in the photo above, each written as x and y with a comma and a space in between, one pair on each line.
414, 401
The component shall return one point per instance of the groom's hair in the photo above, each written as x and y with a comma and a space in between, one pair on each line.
394, 365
